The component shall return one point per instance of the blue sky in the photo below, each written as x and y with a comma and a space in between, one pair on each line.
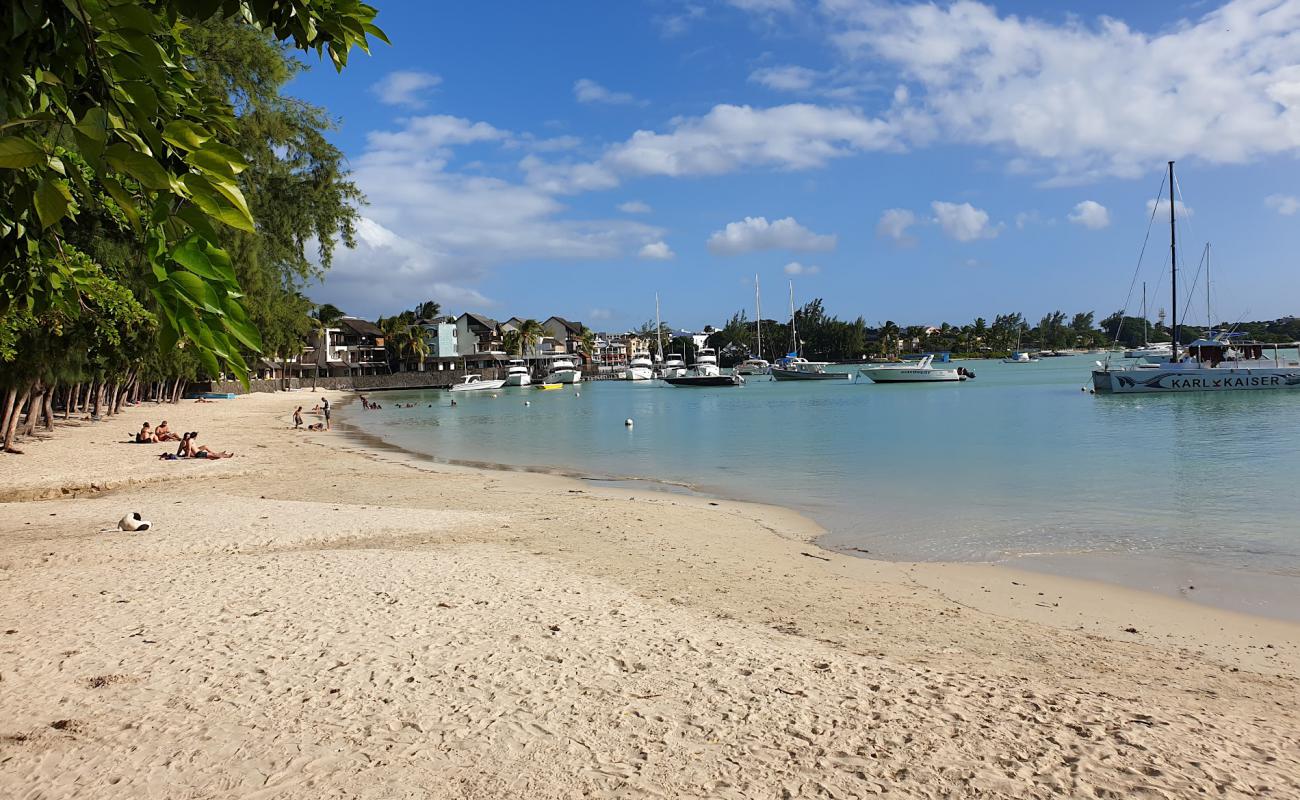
917, 162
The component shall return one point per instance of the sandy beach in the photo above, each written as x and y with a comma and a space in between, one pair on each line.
317, 617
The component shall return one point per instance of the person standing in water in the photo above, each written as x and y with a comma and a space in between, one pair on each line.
297, 417
325, 409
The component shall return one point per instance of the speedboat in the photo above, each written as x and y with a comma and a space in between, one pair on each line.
548, 387
673, 367
705, 372
921, 372
1020, 357
475, 383
640, 368
517, 373
1158, 351
753, 366
801, 369
563, 371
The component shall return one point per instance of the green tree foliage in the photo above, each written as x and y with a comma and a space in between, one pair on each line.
117, 86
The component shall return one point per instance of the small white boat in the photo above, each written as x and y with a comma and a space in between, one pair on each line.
921, 372
563, 371
706, 363
517, 373
801, 369
475, 383
753, 366
1158, 351
640, 368
1020, 357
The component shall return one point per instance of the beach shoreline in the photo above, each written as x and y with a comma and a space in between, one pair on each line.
348, 617
1244, 591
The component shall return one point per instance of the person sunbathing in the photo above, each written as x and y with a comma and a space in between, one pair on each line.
146, 436
164, 434
201, 451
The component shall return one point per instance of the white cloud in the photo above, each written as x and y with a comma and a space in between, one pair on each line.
726, 139
795, 268
657, 251
894, 223
763, 6
634, 207
586, 90
1284, 204
600, 314
1161, 209
676, 24
755, 233
432, 230
963, 221
1090, 214
789, 78
1083, 99
404, 87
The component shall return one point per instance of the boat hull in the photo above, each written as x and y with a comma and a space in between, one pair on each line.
912, 375
518, 379
639, 374
564, 376
705, 380
797, 375
478, 386
1209, 380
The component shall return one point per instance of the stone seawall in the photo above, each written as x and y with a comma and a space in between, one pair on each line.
438, 379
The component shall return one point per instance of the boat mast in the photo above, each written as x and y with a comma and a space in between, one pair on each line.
1173, 261
794, 334
758, 311
659, 330
1209, 320
1145, 319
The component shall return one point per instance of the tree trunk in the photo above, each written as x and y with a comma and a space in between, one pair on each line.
98, 401
34, 408
178, 389
74, 394
49, 409
10, 397
12, 427
109, 396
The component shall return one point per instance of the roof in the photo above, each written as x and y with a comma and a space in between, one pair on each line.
571, 327
486, 322
360, 326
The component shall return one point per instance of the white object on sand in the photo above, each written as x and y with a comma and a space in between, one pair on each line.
133, 522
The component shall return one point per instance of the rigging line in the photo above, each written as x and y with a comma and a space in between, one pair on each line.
1119, 326
1192, 289
1185, 230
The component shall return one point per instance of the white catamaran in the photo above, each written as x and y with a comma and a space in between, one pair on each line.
1219, 362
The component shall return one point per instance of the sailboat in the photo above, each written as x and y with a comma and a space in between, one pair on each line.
1019, 356
756, 364
1220, 361
795, 368
672, 365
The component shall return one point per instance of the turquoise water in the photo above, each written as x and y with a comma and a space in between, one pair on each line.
1017, 462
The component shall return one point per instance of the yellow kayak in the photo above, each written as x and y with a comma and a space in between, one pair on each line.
546, 387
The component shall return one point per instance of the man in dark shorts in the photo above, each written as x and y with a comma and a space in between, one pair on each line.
325, 409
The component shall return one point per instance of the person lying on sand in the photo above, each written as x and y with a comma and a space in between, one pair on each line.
164, 434
201, 451
316, 426
145, 436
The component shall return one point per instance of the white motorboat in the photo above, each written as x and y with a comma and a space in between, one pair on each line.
1160, 351
673, 367
1020, 357
517, 373
923, 371
563, 371
475, 383
640, 368
706, 362
1221, 362
801, 369
753, 366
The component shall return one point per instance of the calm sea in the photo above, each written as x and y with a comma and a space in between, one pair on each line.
1019, 462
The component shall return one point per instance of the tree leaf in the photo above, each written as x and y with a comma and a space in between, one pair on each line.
185, 134
52, 200
93, 125
196, 290
19, 153
123, 158
123, 199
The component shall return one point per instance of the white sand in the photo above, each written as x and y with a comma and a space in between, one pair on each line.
313, 619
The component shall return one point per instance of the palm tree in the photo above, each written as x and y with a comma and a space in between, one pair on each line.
513, 343
325, 316
587, 341
417, 345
